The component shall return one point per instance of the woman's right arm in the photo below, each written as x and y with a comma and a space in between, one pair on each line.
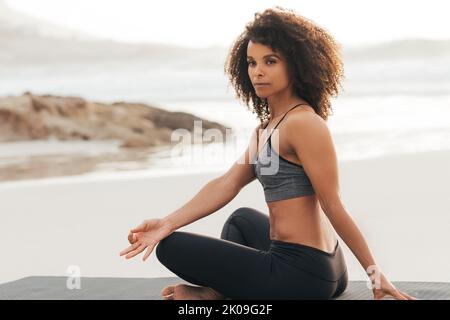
217, 192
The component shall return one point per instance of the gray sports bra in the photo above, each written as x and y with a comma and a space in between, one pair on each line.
280, 178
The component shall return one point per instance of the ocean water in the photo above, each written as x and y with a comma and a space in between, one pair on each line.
362, 127
387, 107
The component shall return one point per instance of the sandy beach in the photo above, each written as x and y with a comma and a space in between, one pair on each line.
399, 202
91, 109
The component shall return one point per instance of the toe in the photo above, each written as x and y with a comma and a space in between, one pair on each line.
167, 290
168, 297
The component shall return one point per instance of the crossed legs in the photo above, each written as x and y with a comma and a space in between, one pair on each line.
234, 266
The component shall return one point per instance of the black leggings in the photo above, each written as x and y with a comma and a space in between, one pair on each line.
246, 264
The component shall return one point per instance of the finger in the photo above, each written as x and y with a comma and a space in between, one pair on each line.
139, 228
132, 237
147, 253
136, 251
396, 294
408, 296
130, 248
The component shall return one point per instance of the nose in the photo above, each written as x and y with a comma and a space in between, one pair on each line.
257, 74
256, 69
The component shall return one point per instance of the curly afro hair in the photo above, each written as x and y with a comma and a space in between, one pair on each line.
313, 58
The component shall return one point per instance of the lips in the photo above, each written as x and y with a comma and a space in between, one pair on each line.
261, 84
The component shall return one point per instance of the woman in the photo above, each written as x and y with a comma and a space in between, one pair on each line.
288, 68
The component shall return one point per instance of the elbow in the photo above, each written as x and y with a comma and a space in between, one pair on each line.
332, 207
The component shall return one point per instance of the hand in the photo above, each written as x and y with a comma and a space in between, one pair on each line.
147, 234
132, 238
382, 287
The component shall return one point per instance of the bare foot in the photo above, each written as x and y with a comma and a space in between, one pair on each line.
187, 292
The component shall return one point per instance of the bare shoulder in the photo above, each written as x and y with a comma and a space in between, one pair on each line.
304, 117
307, 125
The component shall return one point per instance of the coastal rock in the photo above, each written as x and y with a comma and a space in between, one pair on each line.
31, 117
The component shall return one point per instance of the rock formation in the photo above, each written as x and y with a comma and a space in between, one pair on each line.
30, 117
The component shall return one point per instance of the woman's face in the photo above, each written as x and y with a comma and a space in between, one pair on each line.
268, 67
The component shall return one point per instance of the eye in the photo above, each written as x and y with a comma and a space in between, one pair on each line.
250, 63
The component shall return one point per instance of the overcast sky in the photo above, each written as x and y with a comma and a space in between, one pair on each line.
198, 23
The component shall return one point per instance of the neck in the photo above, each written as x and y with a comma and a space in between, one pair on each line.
281, 102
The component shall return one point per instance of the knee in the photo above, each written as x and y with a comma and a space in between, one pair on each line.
243, 215
239, 212
232, 221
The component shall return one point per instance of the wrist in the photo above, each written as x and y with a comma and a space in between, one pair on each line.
375, 276
373, 269
168, 224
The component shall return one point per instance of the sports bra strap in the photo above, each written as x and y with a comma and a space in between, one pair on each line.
283, 118
257, 136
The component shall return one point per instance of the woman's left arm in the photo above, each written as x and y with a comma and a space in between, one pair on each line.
309, 136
